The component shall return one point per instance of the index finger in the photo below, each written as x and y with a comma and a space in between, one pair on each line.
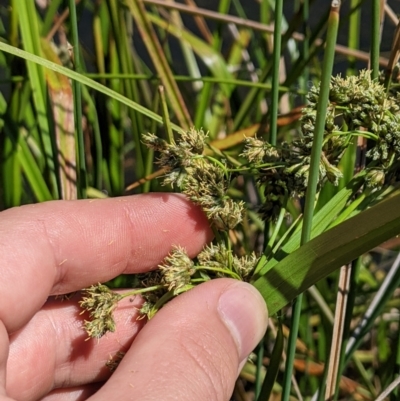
62, 246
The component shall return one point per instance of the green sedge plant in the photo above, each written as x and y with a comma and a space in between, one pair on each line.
288, 205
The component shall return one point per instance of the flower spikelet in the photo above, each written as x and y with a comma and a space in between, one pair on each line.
259, 151
218, 256
176, 156
99, 301
225, 215
245, 265
193, 140
177, 269
215, 255
206, 185
375, 178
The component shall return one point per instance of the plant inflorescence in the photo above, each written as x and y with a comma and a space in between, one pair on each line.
358, 107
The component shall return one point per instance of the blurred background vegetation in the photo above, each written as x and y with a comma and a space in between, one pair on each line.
221, 71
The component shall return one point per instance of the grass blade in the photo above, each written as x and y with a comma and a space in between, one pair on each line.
319, 130
81, 181
30, 33
327, 252
138, 12
275, 72
84, 80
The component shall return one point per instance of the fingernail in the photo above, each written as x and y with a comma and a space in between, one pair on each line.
244, 313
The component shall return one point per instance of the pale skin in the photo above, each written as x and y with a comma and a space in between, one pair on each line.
191, 350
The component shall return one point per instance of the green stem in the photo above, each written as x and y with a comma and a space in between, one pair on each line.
375, 34
306, 43
277, 227
320, 120
364, 134
165, 114
260, 356
264, 166
217, 162
354, 33
275, 71
327, 66
77, 90
274, 364
180, 78
141, 291
226, 272
166, 297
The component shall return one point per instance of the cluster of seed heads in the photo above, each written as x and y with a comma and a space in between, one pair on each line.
99, 301
179, 273
358, 106
203, 180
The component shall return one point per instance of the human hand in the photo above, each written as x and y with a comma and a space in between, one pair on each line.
192, 348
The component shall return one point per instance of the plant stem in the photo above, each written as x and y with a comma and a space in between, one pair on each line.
141, 291
275, 72
86, 81
327, 67
226, 272
165, 114
273, 367
320, 120
77, 90
375, 34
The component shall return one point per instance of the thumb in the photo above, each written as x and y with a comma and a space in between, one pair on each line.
193, 347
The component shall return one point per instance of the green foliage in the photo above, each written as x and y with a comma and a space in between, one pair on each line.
92, 121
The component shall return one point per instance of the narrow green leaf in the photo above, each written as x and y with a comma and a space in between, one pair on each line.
210, 57
275, 71
160, 62
273, 367
30, 33
323, 218
81, 176
84, 80
327, 252
32, 171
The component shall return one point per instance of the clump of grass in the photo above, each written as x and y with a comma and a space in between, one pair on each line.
365, 109
86, 141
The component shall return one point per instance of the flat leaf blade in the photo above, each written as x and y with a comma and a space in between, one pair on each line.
327, 252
